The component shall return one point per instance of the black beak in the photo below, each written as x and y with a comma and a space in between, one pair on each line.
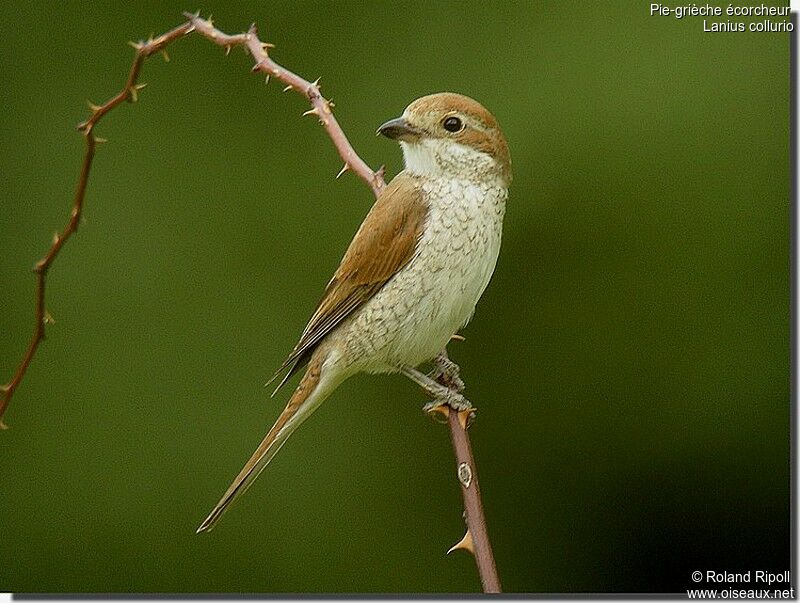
399, 129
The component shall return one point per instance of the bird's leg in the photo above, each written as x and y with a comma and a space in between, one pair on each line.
446, 371
442, 396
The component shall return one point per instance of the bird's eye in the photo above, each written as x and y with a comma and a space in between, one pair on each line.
452, 124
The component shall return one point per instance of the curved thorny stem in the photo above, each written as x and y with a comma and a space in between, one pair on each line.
129, 92
476, 539
321, 107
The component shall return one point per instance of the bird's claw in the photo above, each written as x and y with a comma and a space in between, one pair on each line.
450, 399
446, 371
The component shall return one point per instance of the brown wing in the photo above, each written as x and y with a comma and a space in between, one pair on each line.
385, 242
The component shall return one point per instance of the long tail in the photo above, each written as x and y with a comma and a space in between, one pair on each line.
312, 391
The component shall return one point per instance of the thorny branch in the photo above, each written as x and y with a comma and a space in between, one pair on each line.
130, 92
476, 539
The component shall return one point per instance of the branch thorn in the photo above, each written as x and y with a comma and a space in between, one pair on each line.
287, 88
48, 318
266, 79
311, 112
94, 108
378, 176
267, 45
457, 337
345, 167
133, 93
443, 410
135, 45
165, 55
100, 140
465, 543
227, 50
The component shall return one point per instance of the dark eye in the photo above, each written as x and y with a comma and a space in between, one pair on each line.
452, 124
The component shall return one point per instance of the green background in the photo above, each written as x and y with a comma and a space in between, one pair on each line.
629, 360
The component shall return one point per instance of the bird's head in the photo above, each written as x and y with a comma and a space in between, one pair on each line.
451, 135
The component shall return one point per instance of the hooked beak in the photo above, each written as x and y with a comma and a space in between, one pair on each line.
399, 129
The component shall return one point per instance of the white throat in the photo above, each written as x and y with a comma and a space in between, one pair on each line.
437, 158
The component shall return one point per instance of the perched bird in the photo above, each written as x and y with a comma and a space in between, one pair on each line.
413, 273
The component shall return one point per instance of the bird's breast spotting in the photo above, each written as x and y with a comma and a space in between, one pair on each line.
414, 315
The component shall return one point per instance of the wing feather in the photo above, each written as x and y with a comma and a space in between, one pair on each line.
384, 244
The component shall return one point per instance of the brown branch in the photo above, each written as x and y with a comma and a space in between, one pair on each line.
130, 92
476, 538
320, 106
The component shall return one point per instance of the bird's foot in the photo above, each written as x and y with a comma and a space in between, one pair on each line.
449, 399
447, 372
443, 398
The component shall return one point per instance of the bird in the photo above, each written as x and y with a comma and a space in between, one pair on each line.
413, 273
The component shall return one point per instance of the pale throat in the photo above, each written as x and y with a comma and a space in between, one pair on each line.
437, 158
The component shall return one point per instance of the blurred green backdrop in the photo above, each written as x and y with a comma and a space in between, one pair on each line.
630, 359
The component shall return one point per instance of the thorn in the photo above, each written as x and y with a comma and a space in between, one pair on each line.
266, 80
99, 140
465, 543
330, 102
311, 112
257, 66
3, 426
457, 337
94, 108
345, 167
315, 83
267, 45
48, 318
133, 93
55, 238
165, 55
253, 29
465, 417
135, 45
287, 88
227, 50
190, 30
443, 410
